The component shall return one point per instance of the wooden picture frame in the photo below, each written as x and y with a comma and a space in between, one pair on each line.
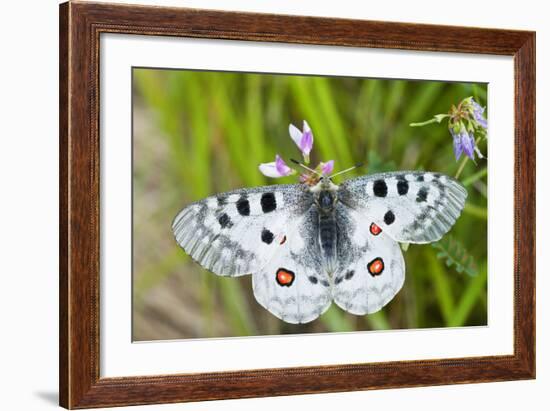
80, 27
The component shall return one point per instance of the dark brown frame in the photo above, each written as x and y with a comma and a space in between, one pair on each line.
80, 27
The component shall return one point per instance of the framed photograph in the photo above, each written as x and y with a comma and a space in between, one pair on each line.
260, 205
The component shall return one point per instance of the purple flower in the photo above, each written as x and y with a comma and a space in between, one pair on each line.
463, 142
326, 168
303, 139
275, 169
478, 114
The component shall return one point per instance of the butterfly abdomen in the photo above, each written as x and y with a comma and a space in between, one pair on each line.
325, 202
328, 239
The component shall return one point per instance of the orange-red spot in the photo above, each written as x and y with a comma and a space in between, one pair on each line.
374, 229
376, 266
284, 277
283, 240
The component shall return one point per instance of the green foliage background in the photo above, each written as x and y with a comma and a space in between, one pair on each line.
200, 133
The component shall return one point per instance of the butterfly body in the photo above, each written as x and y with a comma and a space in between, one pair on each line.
325, 199
307, 246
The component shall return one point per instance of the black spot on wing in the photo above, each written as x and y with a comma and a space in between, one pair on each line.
243, 206
389, 217
422, 195
268, 202
420, 177
349, 275
267, 236
222, 200
379, 188
402, 186
338, 280
225, 221
313, 280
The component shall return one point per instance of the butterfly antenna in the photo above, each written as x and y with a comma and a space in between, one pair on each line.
306, 167
348, 169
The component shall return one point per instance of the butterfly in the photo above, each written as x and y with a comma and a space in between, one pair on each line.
308, 245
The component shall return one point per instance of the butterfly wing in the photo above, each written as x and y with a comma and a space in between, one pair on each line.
236, 233
409, 206
293, 285
371, 269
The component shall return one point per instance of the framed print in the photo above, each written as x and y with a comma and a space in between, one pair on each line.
259, 205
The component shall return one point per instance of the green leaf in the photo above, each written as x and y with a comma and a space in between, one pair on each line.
455, 254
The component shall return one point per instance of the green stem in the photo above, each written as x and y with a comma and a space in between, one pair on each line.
461, 167
424, 123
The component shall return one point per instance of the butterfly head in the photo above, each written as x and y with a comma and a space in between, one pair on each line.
325, 194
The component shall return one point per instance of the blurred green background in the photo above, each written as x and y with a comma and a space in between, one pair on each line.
200, 133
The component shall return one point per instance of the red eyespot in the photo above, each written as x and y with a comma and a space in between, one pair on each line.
376, 266
284, 277
374, 229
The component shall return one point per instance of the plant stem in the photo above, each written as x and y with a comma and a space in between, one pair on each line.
424, 123
461, 167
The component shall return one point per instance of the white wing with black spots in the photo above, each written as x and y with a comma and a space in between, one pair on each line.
409, 206
236, 233
371, 268
293, 285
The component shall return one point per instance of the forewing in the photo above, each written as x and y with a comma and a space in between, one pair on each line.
371, 267
293, 285
236, 233
409, 206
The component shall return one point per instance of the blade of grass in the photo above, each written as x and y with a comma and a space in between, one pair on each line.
301, 94
378, 321
442, 287
476, 211
195, 106
234, 303
474, 292
254, 117
372, 102
332, 124
474, 177
231, 126
152, 275
335, 320
152, 85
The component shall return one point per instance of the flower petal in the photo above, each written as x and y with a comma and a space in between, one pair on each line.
468, 143
269, 170
276, 169
306, 142
479, 154
295, 134
326, 168
457, 146
281, 166
478, 114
